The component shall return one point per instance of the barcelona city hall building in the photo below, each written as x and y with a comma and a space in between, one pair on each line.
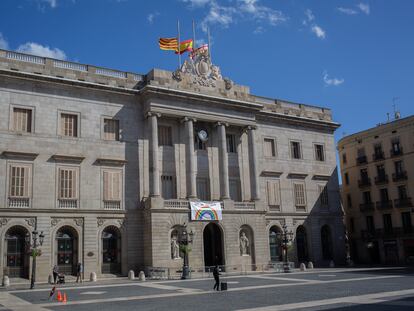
106, 163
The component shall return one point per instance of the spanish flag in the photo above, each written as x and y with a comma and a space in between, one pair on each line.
168, 44
185, 46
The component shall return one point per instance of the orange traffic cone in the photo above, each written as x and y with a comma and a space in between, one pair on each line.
64, 298
59, 296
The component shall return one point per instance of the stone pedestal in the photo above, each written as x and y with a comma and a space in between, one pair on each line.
246, 263
302, 267
93, 277
131, 275
141, 276
6, 281
310, 265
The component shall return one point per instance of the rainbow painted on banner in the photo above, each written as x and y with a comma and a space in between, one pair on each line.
207, 211
206, 214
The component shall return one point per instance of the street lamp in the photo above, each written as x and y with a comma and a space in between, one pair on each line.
285, 238
184, 240
34, 251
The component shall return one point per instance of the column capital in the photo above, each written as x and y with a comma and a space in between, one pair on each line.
221, 123
186, 119
250, 128
151, 113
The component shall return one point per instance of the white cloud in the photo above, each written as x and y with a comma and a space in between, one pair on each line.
151, 17
331, 81
3, 42
40, 50
318, 31
196, 3
364, 7
52, 3
314, 28
220, 15
261, 12
309, 16
258, 30
347, 11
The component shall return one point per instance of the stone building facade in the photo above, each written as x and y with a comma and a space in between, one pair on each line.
377, 183
105, 163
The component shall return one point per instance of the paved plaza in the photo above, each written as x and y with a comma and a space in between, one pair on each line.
324, 289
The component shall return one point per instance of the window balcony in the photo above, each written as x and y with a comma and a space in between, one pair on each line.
176, 203
378, 156
19, 202
112, 204
366, 207
381, 205
401, 203
399, 176
381, 179
361, 160
68, 203
396, 153
364, 182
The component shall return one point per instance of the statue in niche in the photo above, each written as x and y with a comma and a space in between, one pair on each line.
244, 244
175, 248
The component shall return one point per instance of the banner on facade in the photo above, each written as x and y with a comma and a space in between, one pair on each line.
205, 210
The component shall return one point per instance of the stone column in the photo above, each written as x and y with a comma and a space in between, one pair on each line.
224, 162
190, 158
253, 164
154, 166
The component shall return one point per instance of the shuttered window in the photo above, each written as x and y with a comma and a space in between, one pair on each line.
273, 193
231, 143
168, 187
112, 184
67, 183
19, 181
111, 129
22, 120
203, 189
299, 192
235, 193
295, 150
323, 195
269, 149
319, 153
69, 125
164, 136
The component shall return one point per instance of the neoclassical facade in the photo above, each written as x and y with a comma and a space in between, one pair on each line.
105, 163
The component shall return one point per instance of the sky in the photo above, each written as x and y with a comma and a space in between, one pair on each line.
355, 57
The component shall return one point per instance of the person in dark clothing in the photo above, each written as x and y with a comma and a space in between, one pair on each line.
55, 273
216, 273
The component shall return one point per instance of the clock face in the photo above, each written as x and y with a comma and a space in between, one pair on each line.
203, 135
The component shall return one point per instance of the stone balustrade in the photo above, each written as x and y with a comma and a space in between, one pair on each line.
175, 203
67, 203
17, 202
112, 204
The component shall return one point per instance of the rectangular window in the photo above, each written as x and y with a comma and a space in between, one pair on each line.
231, 143
370, 224
19, 181
396, 147
168, 187
112, 185
319, 154
384, 195
323, 195
199, 144
387, 222
378, 153
381, 171
69, 125
203, 189
361, 152
235, 193
299, 191
344, 158
364, 174
269, 149
366, 196
402, 192
22, 120
398, 168
406, 222
67, 183
164, 136
273, 193
295, 150
346, 178
111, 129
349, 200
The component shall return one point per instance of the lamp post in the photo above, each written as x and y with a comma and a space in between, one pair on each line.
185, 239
33, 244
285, 238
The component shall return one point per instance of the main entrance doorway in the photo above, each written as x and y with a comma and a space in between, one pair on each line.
111, 250
17, 257
301, 244
67, 250
213, 246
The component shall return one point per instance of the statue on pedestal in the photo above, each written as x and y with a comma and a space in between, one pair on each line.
175, 248
244, 244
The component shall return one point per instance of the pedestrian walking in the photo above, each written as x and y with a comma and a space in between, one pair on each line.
79, 271
216, 274
55, 272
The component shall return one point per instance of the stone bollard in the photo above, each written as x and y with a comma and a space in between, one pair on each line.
302, 267
92, 277
310, 265
331, 264
6, 281
141, 276
50, 279
131, 275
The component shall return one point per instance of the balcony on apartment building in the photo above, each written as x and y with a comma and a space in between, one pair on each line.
378, 156
396, 152
404, 202
361, 160
381, 179
382, 205
364, 182
366, 207
399, 176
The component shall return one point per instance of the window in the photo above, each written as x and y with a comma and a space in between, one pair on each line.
384, 195
164, 136
361, 152
273, 193
199, 144
406, 222
168, 187
396, 147
231, 143
398, 168
22, 120
19, 181
235, 193
269, 149
295, 150
69, 125
366, 196
381, 171
319, 154
370, 224
299, 191
112, 185
349, 200
364, 174
378, 154
323, 195
67, 183
352, 225
402, 192
387, 220
346, 178
111, 129
203, 189
344, 158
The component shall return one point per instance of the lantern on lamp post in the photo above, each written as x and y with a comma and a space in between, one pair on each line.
185, 240
285, 237
34, 242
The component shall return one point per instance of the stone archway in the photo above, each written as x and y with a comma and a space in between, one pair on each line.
302, 244
111, 250
67, 250
213, 246
274, 244
17, 257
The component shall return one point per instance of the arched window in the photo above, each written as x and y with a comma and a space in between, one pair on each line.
17, 256
274, 244
111, 250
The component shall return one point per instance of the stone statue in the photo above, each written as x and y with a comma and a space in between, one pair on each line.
175, 249
215, 73
244, 244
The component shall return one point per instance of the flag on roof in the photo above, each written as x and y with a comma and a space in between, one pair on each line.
185, 46
168, 44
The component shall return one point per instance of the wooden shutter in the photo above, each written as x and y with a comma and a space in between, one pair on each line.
67, 183
273, 192
111, 186
299, 190
269, 147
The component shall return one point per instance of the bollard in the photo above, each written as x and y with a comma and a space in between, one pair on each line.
50, 279
131, 275
310, 265
302, 267
142, 276
6, 281
331, 264
93, 277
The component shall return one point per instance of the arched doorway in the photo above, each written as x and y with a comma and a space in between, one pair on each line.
67, 250
327, 247
111, 250
213, 245
302, 244
274, 244
17, 256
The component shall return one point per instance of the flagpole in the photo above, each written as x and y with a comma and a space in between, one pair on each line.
209, 43
178, 44
194, 38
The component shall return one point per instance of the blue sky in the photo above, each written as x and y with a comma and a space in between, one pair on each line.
351, 56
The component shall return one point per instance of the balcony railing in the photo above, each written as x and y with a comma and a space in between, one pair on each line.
244, 205
112, 204
396, 152
364, 182
399, 176
176, 203
377, 156
366, 207
361, 160
19, 202
381, 179
381, 205
401, 203
68, 203
392, 232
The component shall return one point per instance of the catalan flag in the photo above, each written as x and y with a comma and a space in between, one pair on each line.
185, 46
168, 44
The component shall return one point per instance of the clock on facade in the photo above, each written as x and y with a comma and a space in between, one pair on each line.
202, 135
